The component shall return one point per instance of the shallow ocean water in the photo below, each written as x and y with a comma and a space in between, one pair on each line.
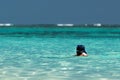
48, 53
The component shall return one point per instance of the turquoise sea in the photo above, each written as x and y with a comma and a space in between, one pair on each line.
47, 53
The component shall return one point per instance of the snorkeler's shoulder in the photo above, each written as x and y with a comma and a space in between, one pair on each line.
82, 55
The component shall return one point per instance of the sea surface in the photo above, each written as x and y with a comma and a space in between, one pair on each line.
47, 53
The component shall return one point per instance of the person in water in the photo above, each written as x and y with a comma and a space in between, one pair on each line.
80, 50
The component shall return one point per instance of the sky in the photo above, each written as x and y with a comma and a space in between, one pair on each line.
60, 11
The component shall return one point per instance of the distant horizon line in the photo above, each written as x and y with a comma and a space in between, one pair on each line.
59, 25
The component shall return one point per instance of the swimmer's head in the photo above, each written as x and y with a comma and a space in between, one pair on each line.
80, 49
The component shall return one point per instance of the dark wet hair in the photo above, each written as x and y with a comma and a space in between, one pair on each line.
80, 49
